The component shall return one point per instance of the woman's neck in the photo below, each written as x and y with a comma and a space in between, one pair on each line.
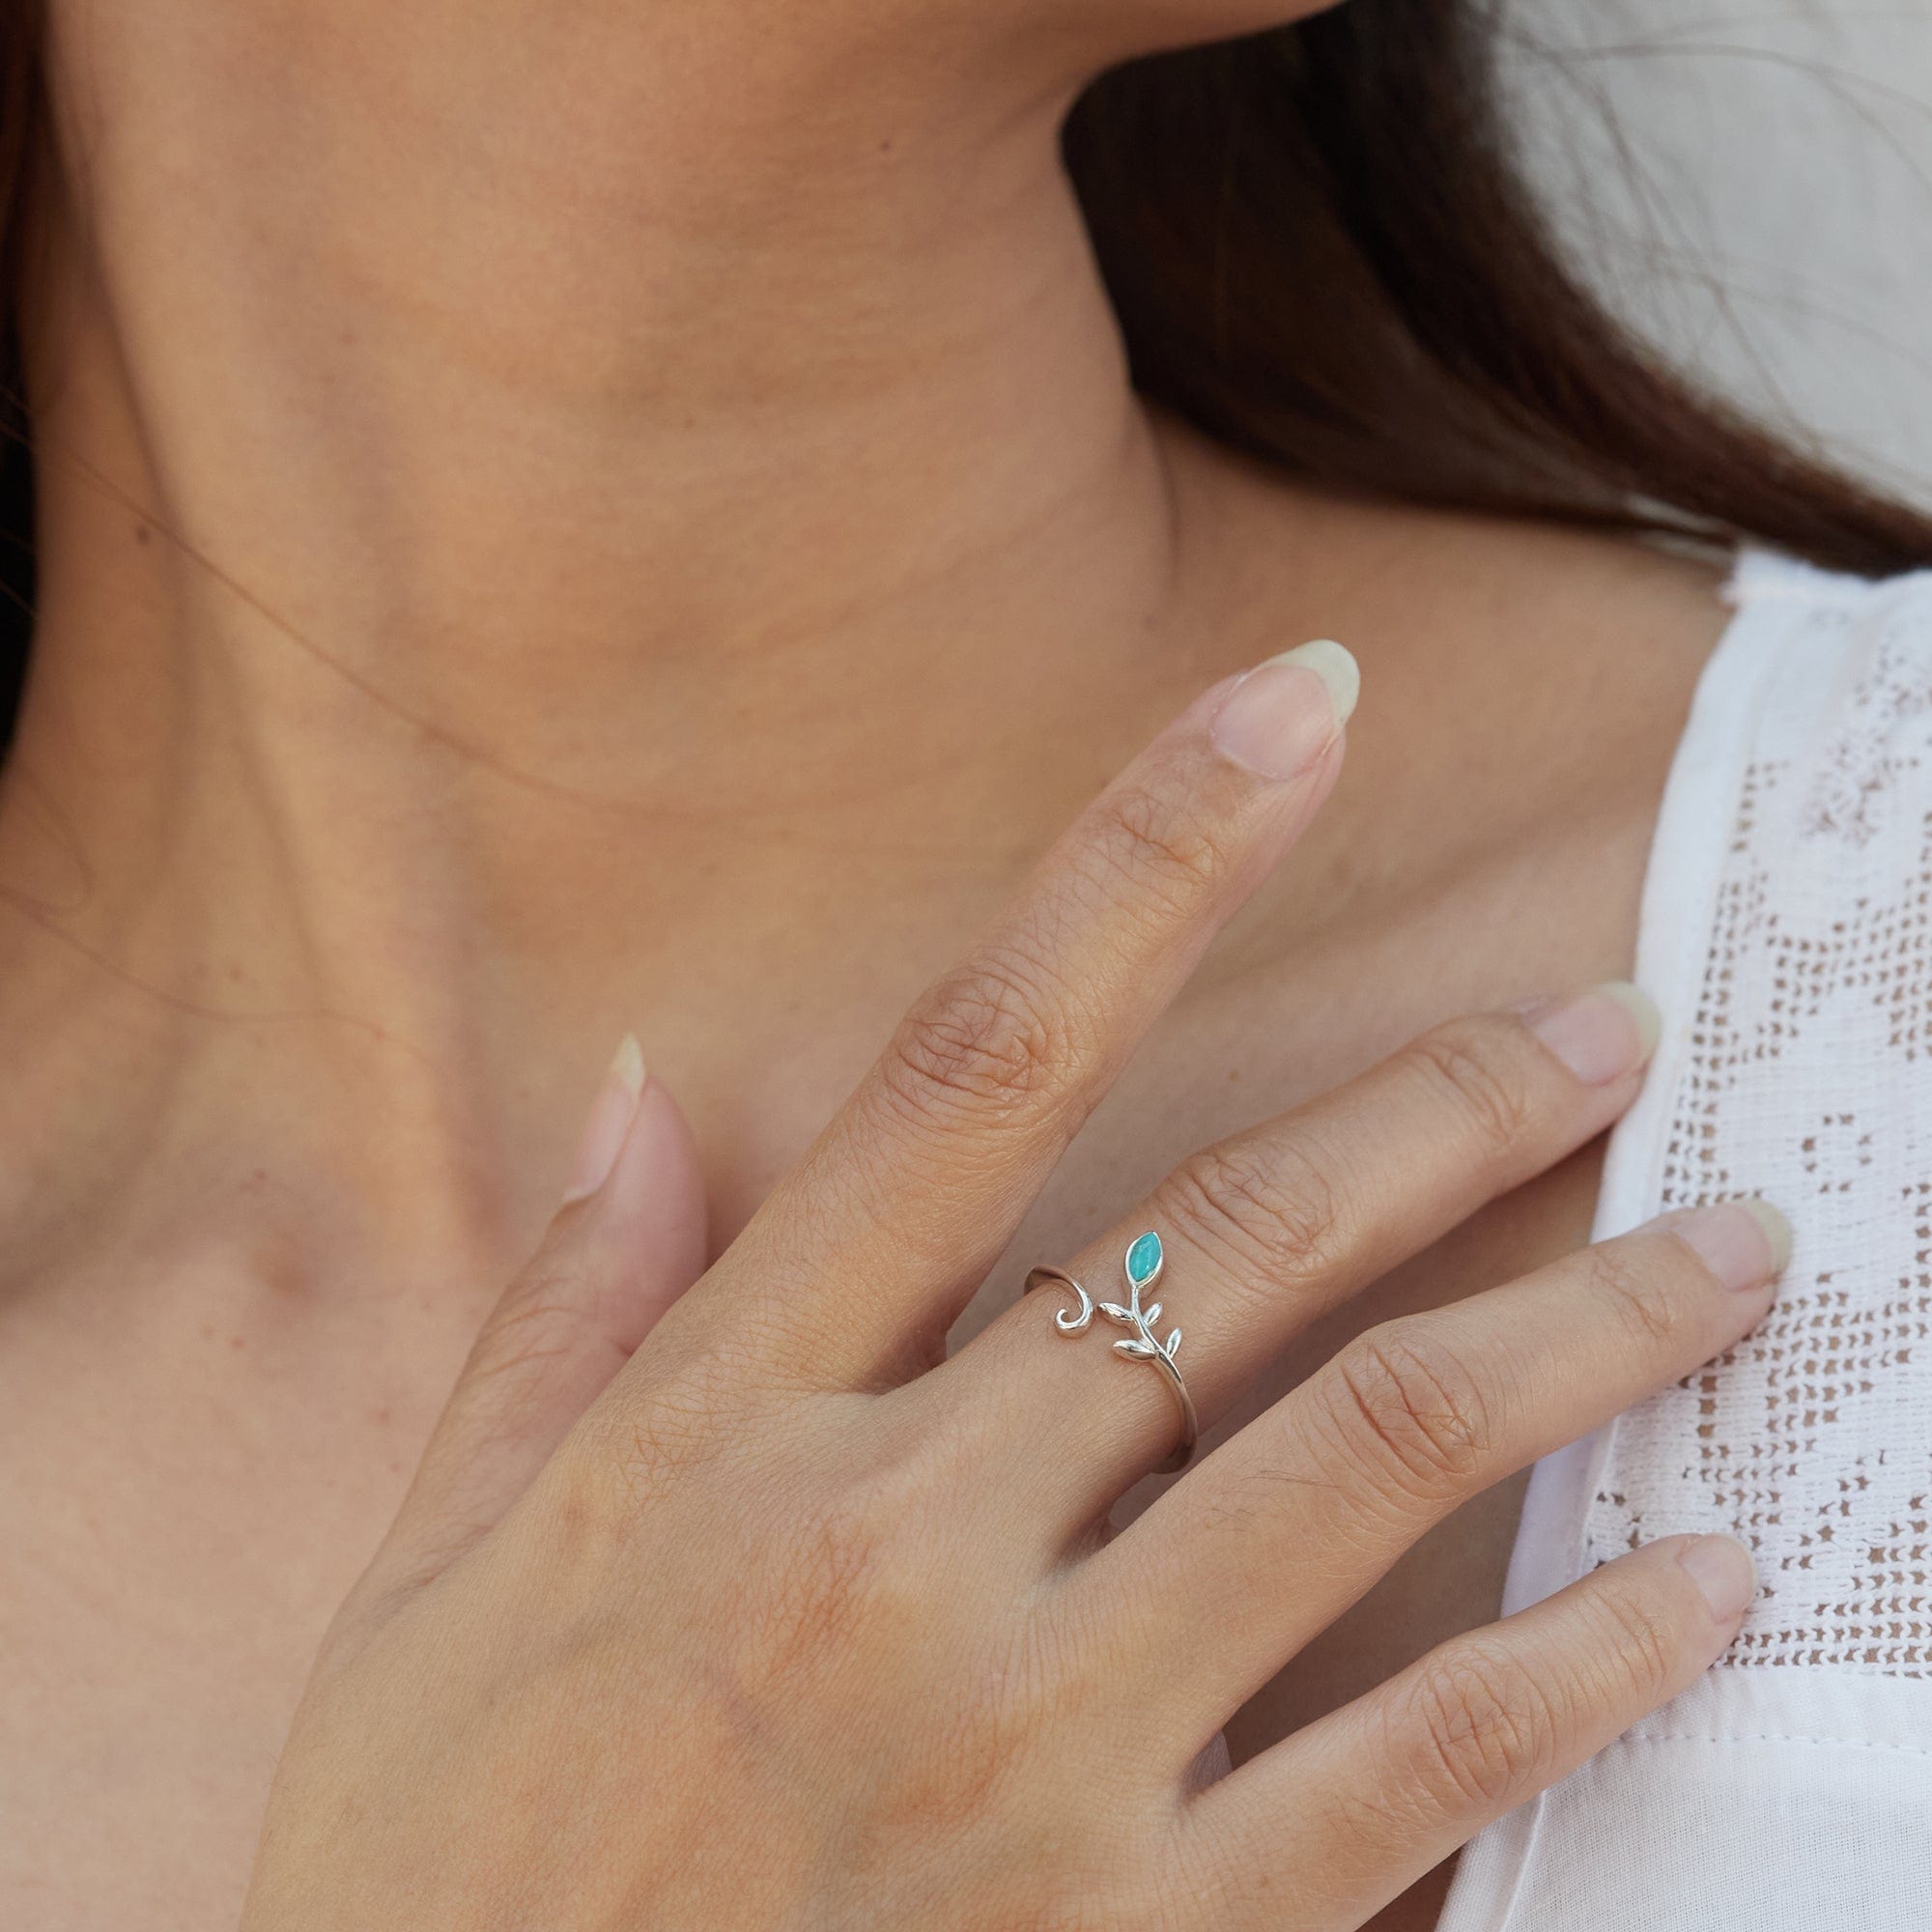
530, 525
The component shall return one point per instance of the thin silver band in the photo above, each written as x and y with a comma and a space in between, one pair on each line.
1144, 1346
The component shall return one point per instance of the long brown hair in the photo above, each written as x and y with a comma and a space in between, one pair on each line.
20, 116
1320, 252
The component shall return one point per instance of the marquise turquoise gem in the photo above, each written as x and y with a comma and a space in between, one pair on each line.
1144, 1259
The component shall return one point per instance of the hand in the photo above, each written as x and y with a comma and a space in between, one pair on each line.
784, 1621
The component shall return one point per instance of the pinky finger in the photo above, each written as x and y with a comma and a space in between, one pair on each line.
1318, 1833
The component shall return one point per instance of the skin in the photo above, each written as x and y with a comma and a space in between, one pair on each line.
528, 559
892, 1673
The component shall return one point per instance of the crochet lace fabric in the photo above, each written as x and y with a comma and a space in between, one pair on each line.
1807, 1076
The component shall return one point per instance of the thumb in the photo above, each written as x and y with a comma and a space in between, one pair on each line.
629, 1239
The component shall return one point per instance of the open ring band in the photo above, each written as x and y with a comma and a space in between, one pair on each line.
1143, 1264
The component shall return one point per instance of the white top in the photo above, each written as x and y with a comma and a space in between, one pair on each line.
1787, 936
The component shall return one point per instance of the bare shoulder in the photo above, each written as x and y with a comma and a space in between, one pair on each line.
1573, 654
1549, 604
1524, 687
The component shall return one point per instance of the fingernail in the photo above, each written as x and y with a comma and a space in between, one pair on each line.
1722, 1568
1743, 1243
1601, 1034
612, 1113
1281, 716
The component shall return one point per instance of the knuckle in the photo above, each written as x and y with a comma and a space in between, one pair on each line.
642, 1442
624, 1456
539, 1322
995, 1033
1270, 1213
1482, 1728
1463, 1064
1642, 1647
1407, 1403
1646, 1307
1149, 837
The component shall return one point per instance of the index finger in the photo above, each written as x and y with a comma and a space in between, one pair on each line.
914, 1188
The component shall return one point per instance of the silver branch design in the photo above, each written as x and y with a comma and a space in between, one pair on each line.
1143, 1264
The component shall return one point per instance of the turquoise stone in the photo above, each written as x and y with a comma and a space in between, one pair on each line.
1144, 1259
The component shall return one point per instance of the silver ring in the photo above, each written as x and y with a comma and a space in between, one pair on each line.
1142, 1263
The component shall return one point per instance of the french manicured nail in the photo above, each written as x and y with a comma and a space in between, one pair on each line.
1601, 1034
608, 1126
1285, 713
1722, 1568
1743, 1243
